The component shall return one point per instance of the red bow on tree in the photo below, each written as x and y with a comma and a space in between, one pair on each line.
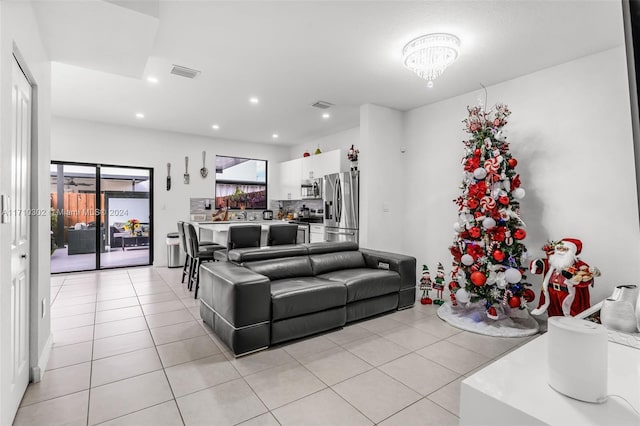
471, 164
475, 251
497, 233
477, 190
515, 182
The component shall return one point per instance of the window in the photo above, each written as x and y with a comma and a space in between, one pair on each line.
241, 183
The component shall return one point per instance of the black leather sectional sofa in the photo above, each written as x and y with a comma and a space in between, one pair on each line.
267, 295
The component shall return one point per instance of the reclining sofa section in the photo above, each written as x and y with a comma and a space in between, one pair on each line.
268, 295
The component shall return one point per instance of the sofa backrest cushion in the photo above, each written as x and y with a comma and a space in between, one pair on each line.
263, 253
339, 260
331, 246
281, 268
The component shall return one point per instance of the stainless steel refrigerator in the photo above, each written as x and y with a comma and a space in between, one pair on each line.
341, 193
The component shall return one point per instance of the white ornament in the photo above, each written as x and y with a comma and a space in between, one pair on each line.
500, 136
467, 259
501, 281
491, 279
506, 183
518, 193
457, 227
480, 173
463, 296
512, 275
488, 223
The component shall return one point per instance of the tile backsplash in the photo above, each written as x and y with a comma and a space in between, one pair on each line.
203, 208
295, 205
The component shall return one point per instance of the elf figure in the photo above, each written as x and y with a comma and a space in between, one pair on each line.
425, 286
438, 285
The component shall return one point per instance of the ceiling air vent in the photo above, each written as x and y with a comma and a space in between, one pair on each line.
184, 71
322, 105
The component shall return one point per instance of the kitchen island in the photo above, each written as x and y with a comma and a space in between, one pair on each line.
217, 231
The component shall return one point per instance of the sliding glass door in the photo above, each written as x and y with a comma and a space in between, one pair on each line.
127, 215
73, 218
101, 216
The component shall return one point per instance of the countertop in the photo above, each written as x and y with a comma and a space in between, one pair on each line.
514, 390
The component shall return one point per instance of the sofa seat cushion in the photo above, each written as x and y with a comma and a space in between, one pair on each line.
298, 296
363, 283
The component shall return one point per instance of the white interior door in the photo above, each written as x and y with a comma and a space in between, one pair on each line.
17, 342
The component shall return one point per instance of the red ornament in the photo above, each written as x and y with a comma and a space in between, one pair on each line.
474, 232
456, 253
498, 255
306, 154
499, 236
519, 234
504, 200
426, 301
512, 162
476, 152
514, 301
453, 286
492, 313
473, 203
477, 214
528, 295
478, 278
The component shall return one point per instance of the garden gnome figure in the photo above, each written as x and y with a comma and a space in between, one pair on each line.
425, 286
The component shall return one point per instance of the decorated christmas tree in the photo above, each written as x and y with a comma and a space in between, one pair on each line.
488, 252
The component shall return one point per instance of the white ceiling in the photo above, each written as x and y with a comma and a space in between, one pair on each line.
292, 53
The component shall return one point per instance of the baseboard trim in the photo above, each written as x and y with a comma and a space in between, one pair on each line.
37, 372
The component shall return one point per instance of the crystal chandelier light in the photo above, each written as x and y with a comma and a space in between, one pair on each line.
429, 55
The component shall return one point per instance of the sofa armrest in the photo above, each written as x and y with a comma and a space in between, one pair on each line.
400, 263
238, 295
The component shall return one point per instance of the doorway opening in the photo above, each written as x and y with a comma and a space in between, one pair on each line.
101, 216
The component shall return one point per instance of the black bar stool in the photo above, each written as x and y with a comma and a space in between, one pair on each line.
280, 234
198, 255
240, 236
188, 259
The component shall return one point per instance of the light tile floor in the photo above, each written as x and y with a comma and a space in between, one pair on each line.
130, 349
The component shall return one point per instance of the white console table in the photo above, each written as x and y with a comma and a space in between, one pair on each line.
514, 391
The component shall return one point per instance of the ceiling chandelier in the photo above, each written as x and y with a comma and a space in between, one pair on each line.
429, 55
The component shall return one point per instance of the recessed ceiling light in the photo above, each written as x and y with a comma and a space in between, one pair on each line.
275, 136
152, 79
139, 115
326, 115
254, 100
215, 127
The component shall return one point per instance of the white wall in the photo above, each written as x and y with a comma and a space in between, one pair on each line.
339, 140
92, 142
570, 130
382, 171
19, 32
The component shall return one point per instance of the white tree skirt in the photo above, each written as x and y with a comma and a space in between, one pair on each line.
473, 317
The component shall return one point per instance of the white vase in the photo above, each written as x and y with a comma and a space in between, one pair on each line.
618, 312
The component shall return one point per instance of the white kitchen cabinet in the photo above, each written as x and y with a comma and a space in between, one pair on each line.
290, 179
317, 166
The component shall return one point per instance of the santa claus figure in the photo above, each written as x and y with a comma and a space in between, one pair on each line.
565, 288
